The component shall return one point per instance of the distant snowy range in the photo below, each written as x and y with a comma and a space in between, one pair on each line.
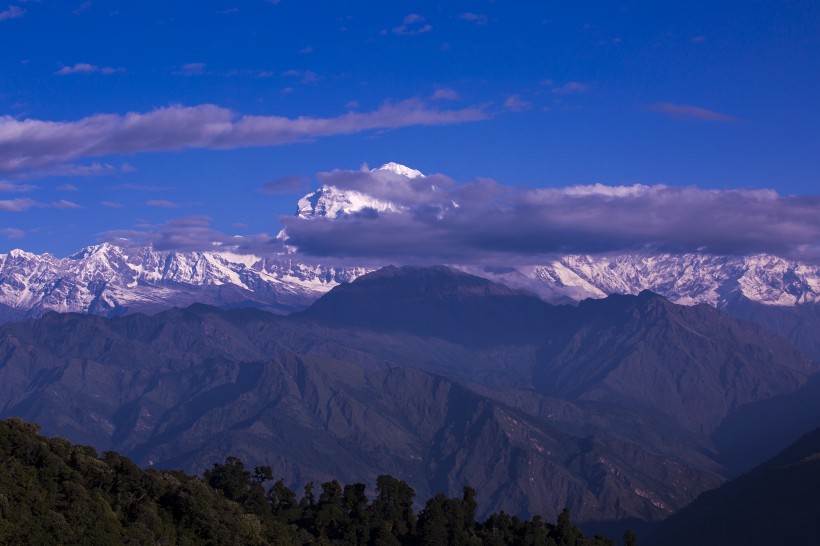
112, 279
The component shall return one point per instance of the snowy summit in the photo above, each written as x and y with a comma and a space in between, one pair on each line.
400, 169
332, 202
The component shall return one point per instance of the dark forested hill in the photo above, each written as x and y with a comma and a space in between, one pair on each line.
431, 375
54, 492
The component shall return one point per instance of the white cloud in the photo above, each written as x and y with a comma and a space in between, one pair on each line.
571, 87
412, 25
65, 204
192, 69
488, 222
162, 203
12, 233
477, 18
445, 93
12, 187
690, 111
12, 12
93, 169
305, 76
19, 205
194, 233
27, 144
85, 68
516, 104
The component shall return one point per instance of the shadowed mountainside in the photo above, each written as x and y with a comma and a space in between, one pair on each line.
776, 503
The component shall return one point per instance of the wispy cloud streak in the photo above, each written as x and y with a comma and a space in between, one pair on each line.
19, 204
12, 187
689, 111
12, 233
193, 233
30, 143
411, 25
85, 68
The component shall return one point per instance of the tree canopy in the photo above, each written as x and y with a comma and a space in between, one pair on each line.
54, 492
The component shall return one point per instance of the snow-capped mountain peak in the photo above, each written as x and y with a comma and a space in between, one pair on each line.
107, 279
400, 170
333, 202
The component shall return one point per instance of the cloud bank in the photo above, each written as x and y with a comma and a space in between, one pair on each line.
193, 233
28, 144
487, 222
435, 220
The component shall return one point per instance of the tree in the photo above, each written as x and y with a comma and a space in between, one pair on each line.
331, 516
568, 534
393, 508
230, 478
432, 523
283, 501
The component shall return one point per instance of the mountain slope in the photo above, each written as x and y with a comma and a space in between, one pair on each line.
187, 387
782, 493
437, 301
432, 375
692, 364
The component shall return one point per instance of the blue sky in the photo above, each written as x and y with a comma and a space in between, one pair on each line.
126, 116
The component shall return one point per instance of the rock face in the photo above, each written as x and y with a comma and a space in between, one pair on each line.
429, 374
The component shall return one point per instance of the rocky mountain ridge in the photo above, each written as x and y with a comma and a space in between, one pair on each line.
111, 280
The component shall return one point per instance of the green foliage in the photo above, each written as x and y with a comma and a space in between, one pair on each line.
53, 492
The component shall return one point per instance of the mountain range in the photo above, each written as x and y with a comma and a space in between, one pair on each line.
110, 280
620, 386
615, 408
